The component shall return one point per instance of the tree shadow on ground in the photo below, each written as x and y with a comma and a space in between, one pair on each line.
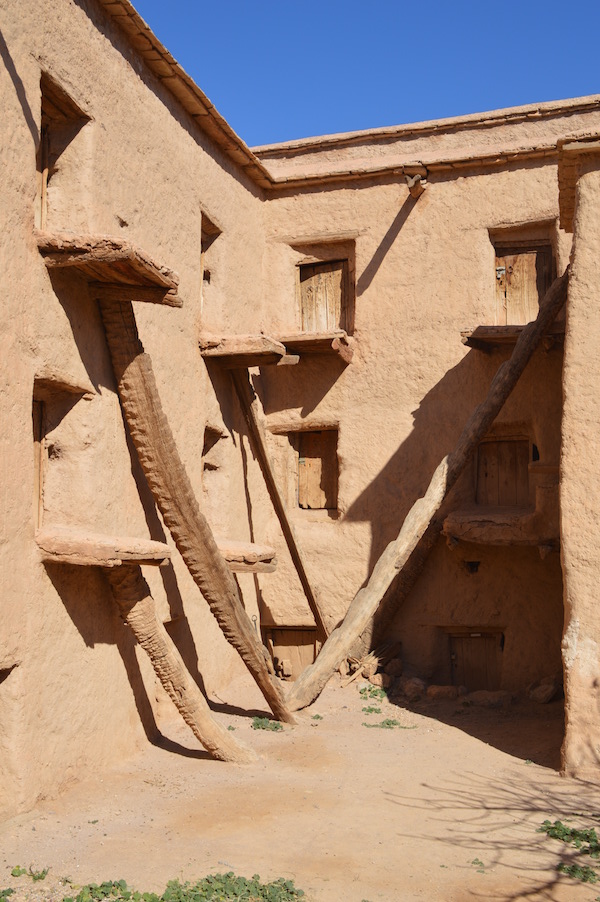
497, 822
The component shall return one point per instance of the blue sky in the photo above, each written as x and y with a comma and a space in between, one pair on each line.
284, 69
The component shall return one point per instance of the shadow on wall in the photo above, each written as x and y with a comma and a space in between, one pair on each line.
438, 423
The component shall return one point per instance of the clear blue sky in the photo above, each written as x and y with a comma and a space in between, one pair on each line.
284, 69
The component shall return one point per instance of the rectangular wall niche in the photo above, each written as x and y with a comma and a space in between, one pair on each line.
317, 469
324, 296
523, 276
502, 473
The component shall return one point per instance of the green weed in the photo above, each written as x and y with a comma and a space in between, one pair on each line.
316, 717
5, 893
217, 887
18, 871
372, 692
371, 709
585, 841
388, 724
263, 723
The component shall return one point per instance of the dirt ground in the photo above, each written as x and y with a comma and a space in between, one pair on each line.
443, 808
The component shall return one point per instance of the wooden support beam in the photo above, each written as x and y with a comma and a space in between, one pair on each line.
250, 409
173, 493
150, 294
236, 351
136, 606
424, 522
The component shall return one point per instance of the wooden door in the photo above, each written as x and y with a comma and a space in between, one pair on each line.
522, 278
476, 660
323, 295
503, 473
292, 649
317, 470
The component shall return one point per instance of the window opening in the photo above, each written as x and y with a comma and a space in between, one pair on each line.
61, 121
317, 469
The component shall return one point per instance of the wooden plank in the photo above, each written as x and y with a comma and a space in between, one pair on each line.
421, 528
104, 259
73, 546
487, 474
249, 404
242, 350
333, 342
147, 293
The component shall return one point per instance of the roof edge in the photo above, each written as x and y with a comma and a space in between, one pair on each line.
474, 120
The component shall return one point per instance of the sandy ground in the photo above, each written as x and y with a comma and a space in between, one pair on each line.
445, 808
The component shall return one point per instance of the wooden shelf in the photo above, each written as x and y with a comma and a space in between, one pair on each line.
336, 343
73, 546
499, 526
247, 557
117, 269
487, 338
244, 351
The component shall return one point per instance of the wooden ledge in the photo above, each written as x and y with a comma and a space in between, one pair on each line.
116, 268
497, 526
243, 350
72, 546
487, 338
336, 342
247, 557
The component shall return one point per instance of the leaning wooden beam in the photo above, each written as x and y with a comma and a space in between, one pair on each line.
175, 498
136, 606
249, 404
424, 511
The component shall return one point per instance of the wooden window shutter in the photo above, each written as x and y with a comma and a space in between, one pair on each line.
323, 295
317, 470
523, 275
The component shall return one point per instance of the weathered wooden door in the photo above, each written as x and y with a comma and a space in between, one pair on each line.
503, 473
522, 278
292, 649
317, 470
476, 659
323, 290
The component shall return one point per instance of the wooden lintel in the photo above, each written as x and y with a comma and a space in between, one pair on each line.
107, 291
86, 549
247, 557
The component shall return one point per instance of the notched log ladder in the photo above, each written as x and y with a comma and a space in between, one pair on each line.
423, 523
121, 273
136, 606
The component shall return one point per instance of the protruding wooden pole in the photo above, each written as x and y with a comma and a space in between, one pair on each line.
417, 526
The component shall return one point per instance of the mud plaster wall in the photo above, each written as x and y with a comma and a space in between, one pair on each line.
424, 271
74, 692
579, 487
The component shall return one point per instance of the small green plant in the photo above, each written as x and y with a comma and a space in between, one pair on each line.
371, 709
388, 724
478, 863
585, 840
582, 872
18, 871
263, 723
372, 692
316, 717
230, 728
217, 887
5, 893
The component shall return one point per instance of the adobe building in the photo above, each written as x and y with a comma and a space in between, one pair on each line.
321, 318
